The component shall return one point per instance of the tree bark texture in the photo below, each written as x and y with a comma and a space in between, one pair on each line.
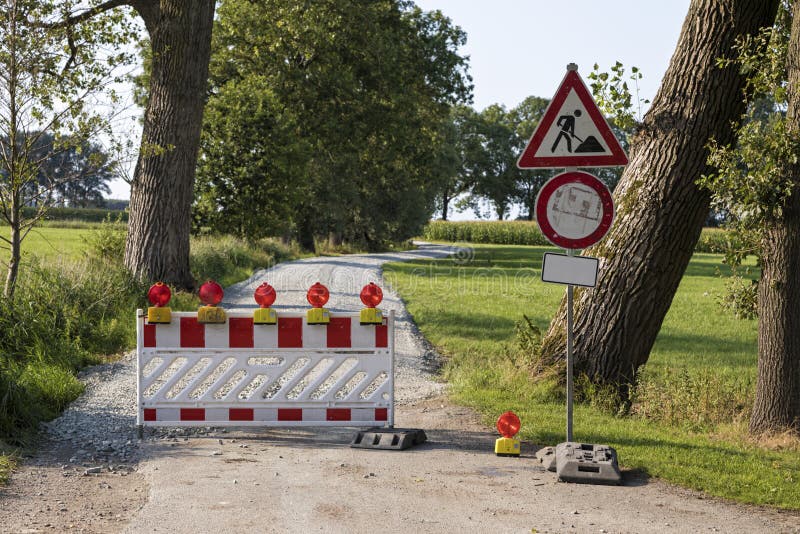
162, 190
777, 403
660, 210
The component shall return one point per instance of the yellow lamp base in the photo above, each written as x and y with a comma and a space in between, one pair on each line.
318, 316
159, 315
371, 316
265, 316
210, 314
506, 447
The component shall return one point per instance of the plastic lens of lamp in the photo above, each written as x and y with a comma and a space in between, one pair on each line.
265, 295
211, 293
371, 295
159, 294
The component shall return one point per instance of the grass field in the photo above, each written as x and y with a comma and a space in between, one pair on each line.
695, 394
51, 243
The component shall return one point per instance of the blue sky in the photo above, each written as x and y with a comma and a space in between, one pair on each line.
519, 48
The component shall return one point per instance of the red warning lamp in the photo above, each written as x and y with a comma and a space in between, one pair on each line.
265, 296
159, 295
508, 425
318, 296
210, 294
371, 296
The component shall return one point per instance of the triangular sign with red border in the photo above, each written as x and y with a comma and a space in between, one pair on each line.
572, 132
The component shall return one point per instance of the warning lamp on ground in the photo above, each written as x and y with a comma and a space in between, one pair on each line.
159, 295
318, 296
210, 295
508, 425
371, 296
265, 296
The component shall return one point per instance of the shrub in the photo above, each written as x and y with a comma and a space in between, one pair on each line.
228, 259
720, 241
78, 214
107, 242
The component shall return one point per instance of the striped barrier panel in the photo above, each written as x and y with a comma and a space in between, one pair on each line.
240, 374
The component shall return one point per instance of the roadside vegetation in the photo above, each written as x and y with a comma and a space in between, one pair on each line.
527, 233
75, 307
687, 423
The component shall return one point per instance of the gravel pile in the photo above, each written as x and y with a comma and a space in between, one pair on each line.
100, 426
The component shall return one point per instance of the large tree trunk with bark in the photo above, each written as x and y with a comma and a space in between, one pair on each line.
777, 404
660, 210
162, 190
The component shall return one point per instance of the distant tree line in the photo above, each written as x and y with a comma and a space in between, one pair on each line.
67, 173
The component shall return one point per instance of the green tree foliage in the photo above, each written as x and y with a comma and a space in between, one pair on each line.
490, 143
361, 90
614, 95
252, 168
50, 72
525, 118
79, 173
752, 184
758, 182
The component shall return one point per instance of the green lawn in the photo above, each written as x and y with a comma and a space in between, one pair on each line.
701, 372
51, 243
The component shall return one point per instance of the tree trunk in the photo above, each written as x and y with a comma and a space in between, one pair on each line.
777, 404
445, 205
660, 210
157, 247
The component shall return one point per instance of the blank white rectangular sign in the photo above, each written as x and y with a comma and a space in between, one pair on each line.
571, 270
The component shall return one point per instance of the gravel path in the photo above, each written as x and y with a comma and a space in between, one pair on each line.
344, 276
93, 475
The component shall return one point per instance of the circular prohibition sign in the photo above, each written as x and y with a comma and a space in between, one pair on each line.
574, 210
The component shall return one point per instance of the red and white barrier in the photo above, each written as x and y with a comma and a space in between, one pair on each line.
240, 374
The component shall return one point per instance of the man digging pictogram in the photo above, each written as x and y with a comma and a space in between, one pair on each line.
567, 125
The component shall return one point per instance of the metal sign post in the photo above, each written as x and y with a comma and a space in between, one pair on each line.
574, 210
570, 385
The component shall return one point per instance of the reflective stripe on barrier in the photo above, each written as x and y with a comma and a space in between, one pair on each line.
240, 374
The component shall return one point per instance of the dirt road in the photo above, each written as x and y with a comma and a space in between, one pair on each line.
306, 480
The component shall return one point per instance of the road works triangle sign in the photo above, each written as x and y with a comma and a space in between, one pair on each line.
572, 132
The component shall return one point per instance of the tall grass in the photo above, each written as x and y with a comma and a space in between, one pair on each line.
496, 232
228, 259
713, 240
63, 316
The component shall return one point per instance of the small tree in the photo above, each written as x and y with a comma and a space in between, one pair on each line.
50, 77
758, 183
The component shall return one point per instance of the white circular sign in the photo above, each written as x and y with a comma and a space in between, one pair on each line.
574, 210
